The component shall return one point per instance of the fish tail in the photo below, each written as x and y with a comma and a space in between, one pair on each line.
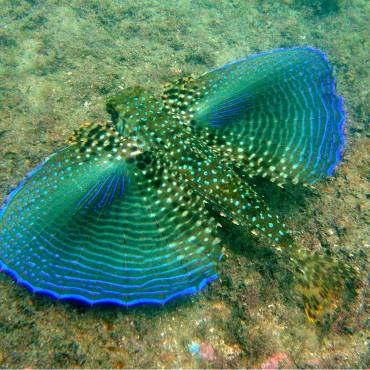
320, 279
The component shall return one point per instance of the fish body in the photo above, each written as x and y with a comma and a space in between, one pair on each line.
120, 214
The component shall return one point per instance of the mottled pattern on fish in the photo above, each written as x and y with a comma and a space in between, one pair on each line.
121, 213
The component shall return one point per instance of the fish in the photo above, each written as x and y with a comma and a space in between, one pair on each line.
122, 212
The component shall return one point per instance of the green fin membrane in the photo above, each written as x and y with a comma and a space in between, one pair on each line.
99, 221
274, 115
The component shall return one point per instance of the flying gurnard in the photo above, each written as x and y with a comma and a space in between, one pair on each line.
121, 213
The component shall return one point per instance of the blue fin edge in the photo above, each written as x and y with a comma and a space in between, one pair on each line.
114, 302
15, 191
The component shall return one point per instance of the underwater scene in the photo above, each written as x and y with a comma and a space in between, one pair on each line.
183, 184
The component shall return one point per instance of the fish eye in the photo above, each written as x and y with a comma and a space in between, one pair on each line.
110, 107
116, 118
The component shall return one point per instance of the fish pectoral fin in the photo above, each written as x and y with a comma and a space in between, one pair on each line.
90, 226
275, 115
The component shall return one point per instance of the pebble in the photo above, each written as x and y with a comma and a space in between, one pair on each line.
276, 360
207, 352
193, 348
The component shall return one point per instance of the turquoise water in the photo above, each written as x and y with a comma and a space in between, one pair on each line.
60, 61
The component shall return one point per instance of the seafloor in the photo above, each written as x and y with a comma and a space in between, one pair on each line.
59, 61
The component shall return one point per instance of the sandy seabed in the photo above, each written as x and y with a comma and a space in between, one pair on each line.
59, 60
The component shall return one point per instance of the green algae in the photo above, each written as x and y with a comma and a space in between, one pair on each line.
58, 62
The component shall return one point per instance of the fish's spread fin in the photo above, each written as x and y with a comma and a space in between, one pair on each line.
275, 115
102, 222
